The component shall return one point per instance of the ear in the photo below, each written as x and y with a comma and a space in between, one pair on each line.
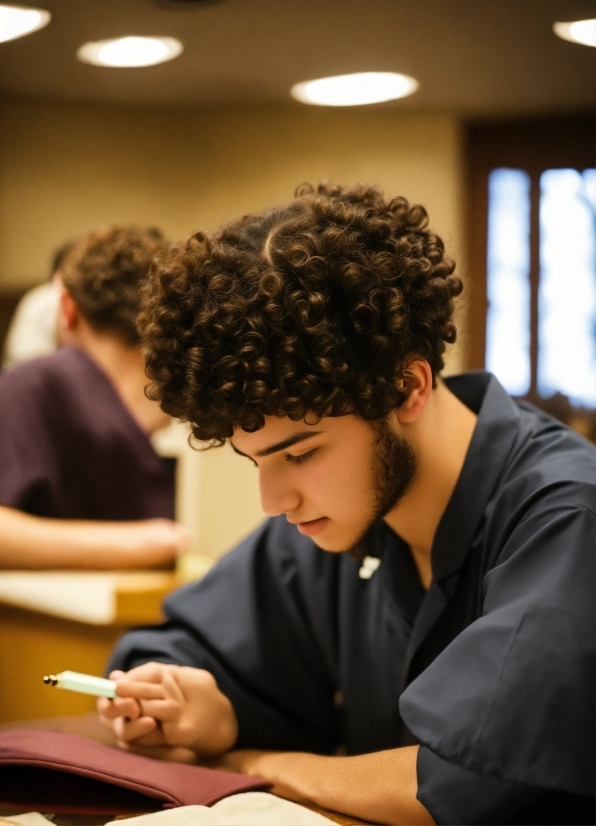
417, 381
69, 311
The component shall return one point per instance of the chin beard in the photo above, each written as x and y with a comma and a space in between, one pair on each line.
356, 552
359, 551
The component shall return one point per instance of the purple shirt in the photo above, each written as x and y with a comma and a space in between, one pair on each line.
69, 448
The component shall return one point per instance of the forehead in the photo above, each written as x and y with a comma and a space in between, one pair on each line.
277, 430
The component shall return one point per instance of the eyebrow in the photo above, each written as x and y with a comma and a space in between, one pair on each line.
289, 442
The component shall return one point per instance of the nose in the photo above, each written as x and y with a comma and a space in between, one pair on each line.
277, 494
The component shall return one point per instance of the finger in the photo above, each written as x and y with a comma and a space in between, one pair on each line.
127, 707
166, 711
149, 672
125, 730
172, 688
117, 675
104, 719
152, 738
103, 706
140, 690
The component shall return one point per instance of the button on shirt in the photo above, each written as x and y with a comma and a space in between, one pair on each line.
491, 670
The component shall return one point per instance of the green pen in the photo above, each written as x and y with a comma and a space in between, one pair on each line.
83, 683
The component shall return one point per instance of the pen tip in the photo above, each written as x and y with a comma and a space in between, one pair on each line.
50, 680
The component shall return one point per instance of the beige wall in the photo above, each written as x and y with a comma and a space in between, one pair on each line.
67, 168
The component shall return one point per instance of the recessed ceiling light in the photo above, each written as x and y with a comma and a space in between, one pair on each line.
16, 21
354, 90
130, 51
580, 31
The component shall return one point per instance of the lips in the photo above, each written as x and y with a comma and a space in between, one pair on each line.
313, 527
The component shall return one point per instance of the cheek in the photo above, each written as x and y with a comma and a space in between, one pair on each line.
345, 485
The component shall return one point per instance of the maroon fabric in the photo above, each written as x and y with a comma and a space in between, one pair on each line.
69, 449
53, 772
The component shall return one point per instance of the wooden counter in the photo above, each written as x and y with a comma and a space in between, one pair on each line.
52, 621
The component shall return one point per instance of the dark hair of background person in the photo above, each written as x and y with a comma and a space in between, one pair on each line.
103, 273
60, 256
310, 309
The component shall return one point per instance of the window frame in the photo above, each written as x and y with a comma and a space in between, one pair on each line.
532, 145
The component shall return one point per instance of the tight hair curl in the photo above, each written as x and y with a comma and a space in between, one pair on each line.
103, 272
310, 309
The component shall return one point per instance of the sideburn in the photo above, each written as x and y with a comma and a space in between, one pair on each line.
394, 467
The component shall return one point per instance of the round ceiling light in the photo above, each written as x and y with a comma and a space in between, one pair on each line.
130, 51
580, 31
16, 21
355, 89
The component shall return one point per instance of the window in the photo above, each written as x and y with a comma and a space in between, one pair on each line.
508, 279
532, 263
567, 286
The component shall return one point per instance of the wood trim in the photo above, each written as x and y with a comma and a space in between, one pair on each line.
476, 226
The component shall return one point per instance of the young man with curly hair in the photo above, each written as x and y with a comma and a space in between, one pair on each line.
80, 483
443, 646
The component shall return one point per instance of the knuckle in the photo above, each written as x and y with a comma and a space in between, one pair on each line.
198, 675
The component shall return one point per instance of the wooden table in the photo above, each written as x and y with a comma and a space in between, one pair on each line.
52, 621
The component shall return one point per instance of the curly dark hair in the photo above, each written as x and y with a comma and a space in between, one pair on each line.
103, 272
314, 308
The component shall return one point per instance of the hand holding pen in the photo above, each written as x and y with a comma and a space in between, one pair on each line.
171, 712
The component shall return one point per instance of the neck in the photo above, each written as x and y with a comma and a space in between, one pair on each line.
125, 368
440, 439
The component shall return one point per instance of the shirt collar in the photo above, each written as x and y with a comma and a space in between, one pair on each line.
494, 435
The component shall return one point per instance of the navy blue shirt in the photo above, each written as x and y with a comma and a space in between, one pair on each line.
491, 670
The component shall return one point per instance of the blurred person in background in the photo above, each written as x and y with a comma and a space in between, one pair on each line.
33, 328
81, 485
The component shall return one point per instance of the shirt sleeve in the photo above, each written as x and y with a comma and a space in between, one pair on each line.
511, 699
265, 635
454, 794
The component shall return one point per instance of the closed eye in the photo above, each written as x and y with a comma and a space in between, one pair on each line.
298, 460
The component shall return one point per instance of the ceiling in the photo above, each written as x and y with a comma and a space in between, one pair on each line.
474, 57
